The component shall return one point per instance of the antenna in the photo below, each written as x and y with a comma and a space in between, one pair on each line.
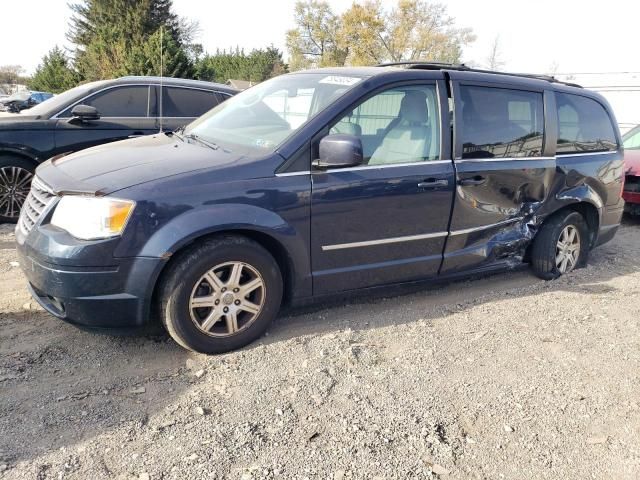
161, 72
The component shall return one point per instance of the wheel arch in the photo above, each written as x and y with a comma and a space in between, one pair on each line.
4, 153
268, 242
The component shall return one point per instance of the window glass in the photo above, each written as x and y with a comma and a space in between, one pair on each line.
583, 125
186, 102
400, 125
129, 101
500, 122
293, 109
632, 139
263, 116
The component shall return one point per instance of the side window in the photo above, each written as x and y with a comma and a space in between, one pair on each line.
118, 102
187, 102
583, 125
500, 122
121, 101
400, 125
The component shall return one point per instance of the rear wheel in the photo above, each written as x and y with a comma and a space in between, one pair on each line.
561, 245
15, 181
220, 295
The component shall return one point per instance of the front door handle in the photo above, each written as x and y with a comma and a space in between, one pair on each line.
473, 181
136, 134
433, 183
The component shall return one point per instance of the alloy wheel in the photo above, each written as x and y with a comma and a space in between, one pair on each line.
568, 249
14, 188
227, 299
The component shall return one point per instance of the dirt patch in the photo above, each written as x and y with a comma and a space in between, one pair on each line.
505, 377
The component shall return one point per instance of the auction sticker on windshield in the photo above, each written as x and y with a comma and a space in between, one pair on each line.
340, 80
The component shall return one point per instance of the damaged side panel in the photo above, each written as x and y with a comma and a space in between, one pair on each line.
497, 219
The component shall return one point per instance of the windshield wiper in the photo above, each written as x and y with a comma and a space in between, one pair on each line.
177, 132
199, 139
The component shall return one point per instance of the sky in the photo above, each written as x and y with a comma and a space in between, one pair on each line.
565, 36
574, 36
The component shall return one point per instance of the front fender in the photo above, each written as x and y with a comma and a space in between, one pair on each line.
192, 224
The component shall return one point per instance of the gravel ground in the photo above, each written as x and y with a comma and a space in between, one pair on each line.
503, 377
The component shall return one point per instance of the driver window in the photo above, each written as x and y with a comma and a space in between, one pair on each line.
400, 125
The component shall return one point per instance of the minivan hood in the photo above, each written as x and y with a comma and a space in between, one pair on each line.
107, 168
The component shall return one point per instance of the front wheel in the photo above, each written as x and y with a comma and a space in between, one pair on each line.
220, 295
15, 181
561, 245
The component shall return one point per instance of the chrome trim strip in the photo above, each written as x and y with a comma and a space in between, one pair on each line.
500, 159
384, 241
584, 154
391, 165
293, 174
485, 227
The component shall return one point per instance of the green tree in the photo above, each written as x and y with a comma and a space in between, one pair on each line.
314, 41
112, 37
145, 59
258, 65
55, 73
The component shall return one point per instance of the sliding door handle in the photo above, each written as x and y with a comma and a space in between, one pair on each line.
473, 181
433, 183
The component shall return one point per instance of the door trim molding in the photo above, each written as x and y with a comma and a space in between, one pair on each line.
485, 227
383, 241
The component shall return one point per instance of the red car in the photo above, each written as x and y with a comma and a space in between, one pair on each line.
631, 193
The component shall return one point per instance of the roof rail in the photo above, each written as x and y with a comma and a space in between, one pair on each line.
417, 65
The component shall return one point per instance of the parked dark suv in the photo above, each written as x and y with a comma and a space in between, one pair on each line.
321, 182
89, 115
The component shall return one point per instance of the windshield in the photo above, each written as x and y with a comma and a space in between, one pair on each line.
262, 117
631, 139
60, 102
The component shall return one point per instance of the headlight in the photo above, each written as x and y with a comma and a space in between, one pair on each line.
92, 218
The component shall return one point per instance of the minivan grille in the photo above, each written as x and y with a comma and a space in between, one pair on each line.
39, 198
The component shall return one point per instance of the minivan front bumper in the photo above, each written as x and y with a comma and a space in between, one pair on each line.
112, 295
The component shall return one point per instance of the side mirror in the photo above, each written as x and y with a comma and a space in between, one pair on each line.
84, 113
339, 151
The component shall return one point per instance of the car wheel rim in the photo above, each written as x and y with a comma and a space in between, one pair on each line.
227, 299
568, 249
14, 188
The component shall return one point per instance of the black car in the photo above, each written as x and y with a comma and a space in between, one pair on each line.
23, 100
323, 182
93, 114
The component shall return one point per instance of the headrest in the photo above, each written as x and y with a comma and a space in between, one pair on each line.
413, 107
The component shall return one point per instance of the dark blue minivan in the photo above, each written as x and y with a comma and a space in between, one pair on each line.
317, 183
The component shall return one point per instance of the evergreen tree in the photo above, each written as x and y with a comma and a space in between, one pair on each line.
258, 65
54, 74
113, 36
145, 58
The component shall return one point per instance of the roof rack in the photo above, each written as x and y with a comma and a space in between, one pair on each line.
417, 65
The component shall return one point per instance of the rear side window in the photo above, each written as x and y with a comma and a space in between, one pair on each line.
187, 102
583, 125
500, 122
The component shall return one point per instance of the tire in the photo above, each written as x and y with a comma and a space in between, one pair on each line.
549, 259
204, 275
15, 181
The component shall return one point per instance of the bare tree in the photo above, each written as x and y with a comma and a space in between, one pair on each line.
494, 60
